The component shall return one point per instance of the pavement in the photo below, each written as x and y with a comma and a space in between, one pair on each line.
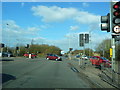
91, 73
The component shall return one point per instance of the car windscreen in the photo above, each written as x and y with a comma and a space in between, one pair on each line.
55, 55
104, 58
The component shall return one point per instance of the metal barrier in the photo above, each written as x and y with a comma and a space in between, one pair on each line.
111, 77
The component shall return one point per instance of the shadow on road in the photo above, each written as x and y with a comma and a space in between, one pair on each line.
7, 77
6, 59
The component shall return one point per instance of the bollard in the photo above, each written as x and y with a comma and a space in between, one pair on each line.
29, 55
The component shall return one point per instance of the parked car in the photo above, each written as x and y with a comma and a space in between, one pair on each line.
100, 61
26, 55
77, 56
7, 54
85, 57
32, 55
53, 57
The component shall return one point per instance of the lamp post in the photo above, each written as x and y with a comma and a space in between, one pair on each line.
90, 40
7, 25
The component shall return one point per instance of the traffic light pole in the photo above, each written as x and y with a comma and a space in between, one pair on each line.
111, 23
113, 51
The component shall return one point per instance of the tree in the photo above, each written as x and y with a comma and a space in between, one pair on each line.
88, 52
77, 51
104, 48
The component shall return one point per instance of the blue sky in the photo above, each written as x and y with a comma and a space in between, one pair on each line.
53, 23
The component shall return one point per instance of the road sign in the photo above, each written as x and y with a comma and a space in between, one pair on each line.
110, 52
117, 29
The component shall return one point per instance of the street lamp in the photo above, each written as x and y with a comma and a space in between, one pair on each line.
7, 25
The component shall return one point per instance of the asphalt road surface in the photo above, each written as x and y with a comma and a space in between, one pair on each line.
40, 73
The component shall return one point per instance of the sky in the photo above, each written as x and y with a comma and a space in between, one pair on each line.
53, 23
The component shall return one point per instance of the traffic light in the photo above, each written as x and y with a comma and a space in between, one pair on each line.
115, 17
2, 45
105, 20
27, 46
86, 38
70, 49
81, 40
17, 48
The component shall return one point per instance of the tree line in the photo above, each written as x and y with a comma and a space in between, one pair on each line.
40, 50
103, 49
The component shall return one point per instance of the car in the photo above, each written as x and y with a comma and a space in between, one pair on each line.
26, 55
77, 56
53, 57
7, 54
32, 55
100, 61
85, 57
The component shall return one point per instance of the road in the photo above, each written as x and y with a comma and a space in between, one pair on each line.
40, 73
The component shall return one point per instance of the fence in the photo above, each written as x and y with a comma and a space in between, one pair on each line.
110, 76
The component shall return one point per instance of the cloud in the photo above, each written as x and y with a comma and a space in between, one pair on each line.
54, 13
58, 14
87, 18
85, 4
72, 40
11, 31
22, 4
14, 34
10, 25
33, 29
73, 28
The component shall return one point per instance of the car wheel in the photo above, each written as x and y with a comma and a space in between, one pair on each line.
102, 66
56, 59
47, 58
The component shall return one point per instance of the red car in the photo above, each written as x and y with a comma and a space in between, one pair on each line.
53, 57
100, 61
32, 55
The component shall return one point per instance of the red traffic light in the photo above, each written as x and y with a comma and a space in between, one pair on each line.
117, 5
117, 13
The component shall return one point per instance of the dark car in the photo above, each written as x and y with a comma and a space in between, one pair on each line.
7, 54
53, 57
77, 56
